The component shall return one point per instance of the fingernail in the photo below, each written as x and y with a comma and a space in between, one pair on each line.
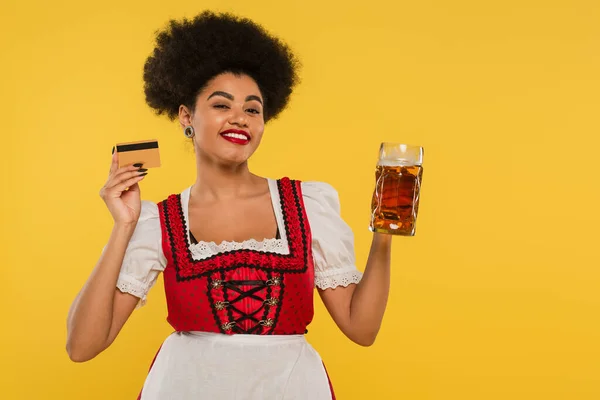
138, 165
113, 150
142, 170
145, 173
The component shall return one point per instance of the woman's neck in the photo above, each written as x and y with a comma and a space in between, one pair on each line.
216, 182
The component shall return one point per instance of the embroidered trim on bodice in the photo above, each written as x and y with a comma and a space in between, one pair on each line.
295, 224
203, 250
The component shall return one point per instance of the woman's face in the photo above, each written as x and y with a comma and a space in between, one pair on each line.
228, 119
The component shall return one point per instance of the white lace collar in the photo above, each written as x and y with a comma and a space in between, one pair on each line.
202, 250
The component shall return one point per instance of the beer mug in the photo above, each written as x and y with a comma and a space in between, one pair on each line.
398, 183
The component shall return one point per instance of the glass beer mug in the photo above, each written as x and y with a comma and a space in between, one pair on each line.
398, 184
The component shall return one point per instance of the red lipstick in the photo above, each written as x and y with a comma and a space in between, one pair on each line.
236, 136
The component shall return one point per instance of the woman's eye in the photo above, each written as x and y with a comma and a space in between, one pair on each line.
253, 111
223, 106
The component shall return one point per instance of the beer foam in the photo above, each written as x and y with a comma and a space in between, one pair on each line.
395, 163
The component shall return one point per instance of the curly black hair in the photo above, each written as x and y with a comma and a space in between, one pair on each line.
188, 54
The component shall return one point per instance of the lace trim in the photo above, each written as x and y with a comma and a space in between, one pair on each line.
135, 289
342, 279
202, 250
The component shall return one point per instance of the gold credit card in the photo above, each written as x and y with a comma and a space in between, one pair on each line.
143, 152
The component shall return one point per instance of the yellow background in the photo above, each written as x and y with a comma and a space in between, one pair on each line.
497, 295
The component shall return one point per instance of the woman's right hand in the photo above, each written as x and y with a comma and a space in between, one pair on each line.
124, 204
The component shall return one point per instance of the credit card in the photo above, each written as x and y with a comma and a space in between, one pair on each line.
143, 152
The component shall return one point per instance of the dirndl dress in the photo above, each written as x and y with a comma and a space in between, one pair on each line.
240, 310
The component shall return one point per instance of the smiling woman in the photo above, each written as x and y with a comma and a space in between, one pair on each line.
229, 107
238, 136
240, 254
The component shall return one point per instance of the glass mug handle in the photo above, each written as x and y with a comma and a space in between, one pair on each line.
398, 178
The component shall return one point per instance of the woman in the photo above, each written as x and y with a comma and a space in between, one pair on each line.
239, 308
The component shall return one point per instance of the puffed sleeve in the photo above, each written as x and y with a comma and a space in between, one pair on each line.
143, 259
332, 238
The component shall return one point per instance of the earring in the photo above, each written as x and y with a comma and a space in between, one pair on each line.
189, 132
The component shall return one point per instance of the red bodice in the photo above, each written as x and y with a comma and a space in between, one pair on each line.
240, 291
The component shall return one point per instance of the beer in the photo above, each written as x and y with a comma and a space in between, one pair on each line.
395, 201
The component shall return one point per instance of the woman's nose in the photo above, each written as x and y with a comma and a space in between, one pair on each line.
238, 117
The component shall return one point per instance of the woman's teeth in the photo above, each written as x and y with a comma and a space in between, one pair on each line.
236, 135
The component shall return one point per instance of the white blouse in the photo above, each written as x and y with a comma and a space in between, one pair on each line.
332, 242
